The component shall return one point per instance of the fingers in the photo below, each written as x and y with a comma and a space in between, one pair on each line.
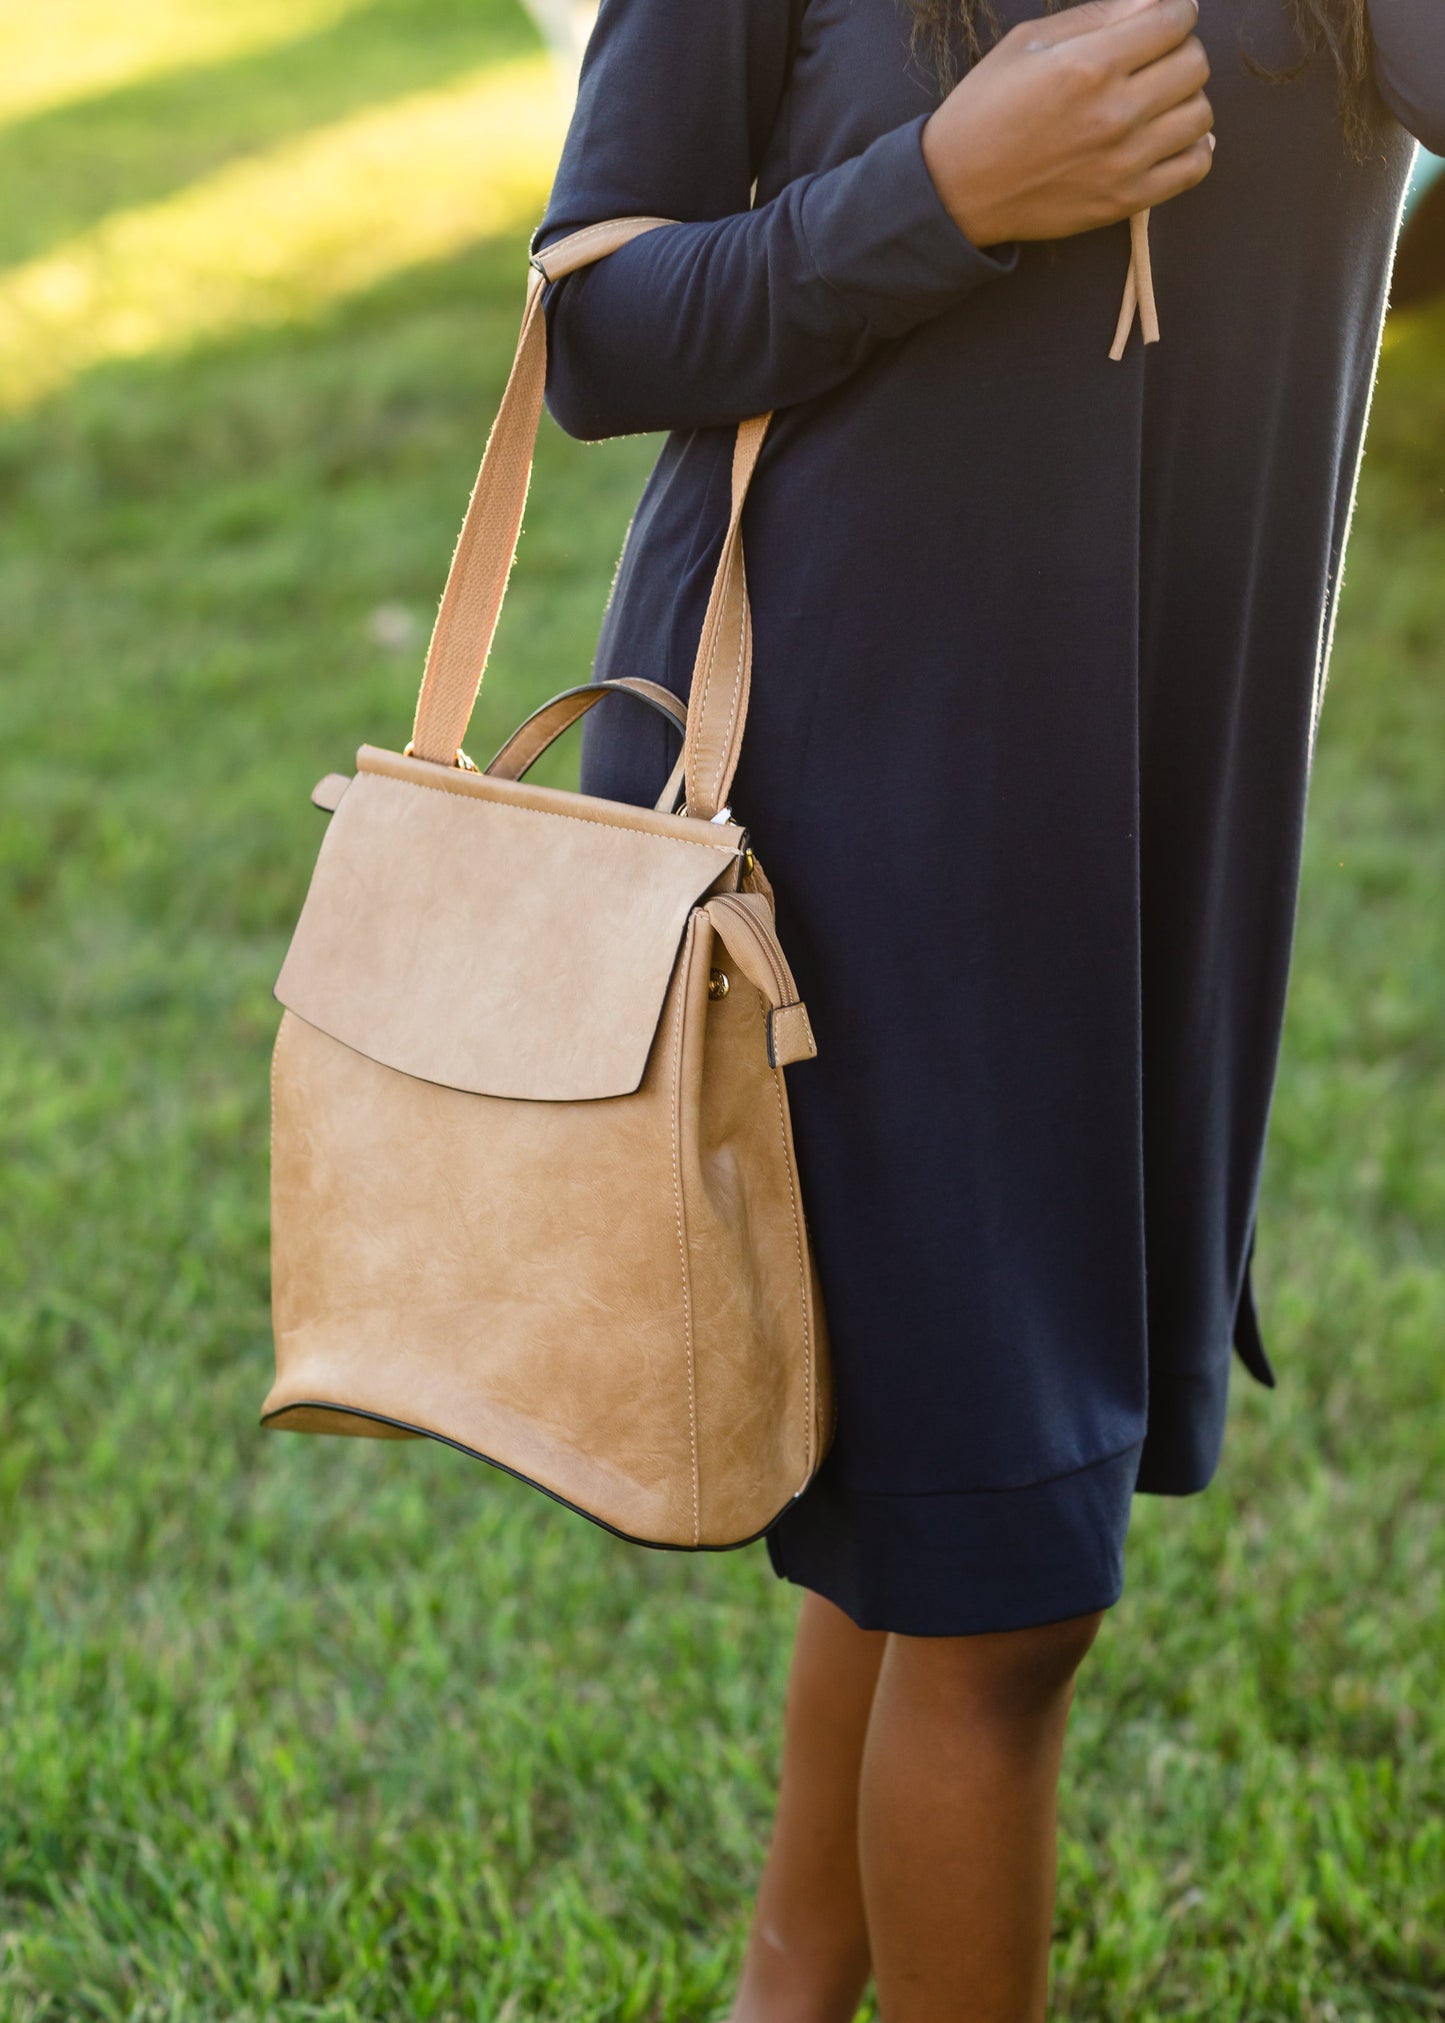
1145, 35
1085, 19
1169, 81
1175, 130
1178, 173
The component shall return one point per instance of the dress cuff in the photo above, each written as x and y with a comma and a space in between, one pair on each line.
878, 233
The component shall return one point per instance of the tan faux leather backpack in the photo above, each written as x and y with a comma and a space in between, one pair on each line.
533, 1188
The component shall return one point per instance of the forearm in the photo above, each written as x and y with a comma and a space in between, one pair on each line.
703, 323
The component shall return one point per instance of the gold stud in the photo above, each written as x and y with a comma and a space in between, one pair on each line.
717, 984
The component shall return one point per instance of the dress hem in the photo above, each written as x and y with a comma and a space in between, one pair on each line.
944, 1564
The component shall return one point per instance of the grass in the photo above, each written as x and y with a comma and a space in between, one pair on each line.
293, 1729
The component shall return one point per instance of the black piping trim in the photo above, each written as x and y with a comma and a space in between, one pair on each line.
475, 1454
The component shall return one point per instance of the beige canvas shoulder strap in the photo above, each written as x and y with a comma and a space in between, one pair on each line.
476, 585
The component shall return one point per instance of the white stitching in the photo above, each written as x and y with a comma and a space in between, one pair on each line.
808, 1442
743, 637
707, 670
734, 533
684, 970
275, 1052
781, 1028
735, 908
271, 1129
746, 629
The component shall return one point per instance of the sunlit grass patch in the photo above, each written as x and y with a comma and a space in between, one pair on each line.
270, 239
53, 52
63, 168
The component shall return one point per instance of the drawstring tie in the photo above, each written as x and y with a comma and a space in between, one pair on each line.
1138, 289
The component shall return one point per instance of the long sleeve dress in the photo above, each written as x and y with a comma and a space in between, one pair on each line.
1040, 644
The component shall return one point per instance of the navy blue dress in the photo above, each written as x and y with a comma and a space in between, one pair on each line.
1040, 647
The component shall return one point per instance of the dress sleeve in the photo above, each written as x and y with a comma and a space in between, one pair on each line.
734, 309
1409, 37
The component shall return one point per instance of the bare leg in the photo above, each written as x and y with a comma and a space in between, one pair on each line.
807, 1957
958, 1814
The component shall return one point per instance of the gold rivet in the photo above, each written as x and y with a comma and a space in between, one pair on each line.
717, 984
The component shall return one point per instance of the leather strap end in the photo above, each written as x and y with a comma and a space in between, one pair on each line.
1127, 310
1138, 290
790, 1036
327, 792
1144, 276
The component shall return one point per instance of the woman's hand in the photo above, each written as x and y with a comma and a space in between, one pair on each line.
1074, 121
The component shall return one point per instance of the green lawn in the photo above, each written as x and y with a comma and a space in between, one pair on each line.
297, 1729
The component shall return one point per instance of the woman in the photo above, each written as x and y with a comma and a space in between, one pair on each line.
1040, 646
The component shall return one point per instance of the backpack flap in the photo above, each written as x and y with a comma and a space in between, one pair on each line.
497, 937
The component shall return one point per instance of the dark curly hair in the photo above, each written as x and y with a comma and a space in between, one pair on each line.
1335, 29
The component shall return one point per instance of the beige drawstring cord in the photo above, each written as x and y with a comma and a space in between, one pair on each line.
1138, 289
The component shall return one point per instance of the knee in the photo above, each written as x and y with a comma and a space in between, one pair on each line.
1006, 1677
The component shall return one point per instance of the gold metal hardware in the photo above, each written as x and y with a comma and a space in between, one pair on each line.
717, 984
750, 863
463, 763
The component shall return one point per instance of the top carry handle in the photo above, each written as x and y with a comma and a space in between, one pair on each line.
476, 584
